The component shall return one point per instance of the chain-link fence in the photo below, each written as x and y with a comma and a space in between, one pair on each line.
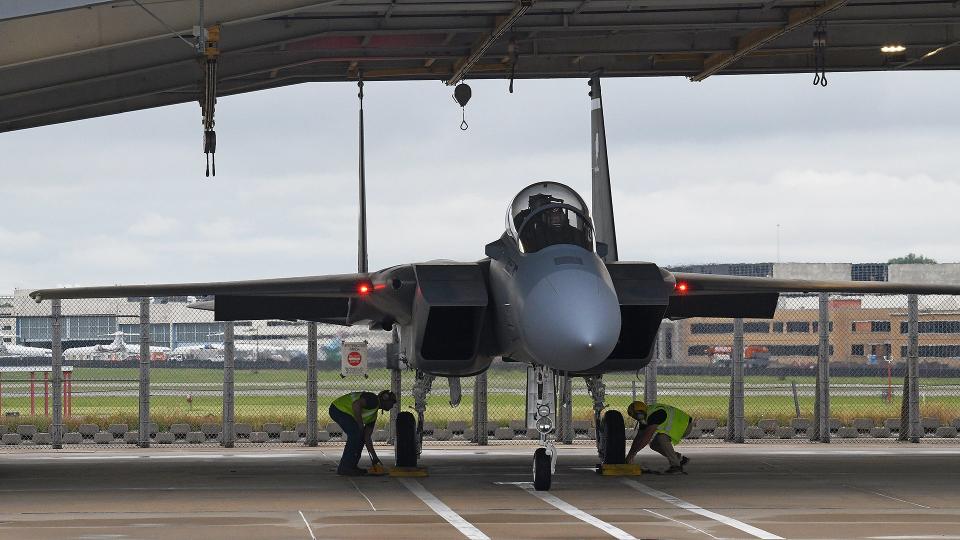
177, 392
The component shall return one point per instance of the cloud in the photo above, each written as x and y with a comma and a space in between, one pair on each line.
701, 173
154, 224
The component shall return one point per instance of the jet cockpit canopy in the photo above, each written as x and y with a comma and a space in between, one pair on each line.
549, 213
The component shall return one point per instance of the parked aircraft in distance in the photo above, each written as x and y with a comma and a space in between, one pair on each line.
12, 349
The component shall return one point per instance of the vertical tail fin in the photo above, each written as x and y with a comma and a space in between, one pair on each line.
602, 210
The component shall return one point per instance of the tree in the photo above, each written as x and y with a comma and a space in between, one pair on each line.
912, 258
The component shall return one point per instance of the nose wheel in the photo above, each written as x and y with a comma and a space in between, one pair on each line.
545, 457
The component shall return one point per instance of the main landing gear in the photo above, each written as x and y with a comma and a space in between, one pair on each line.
611, 432
545, 457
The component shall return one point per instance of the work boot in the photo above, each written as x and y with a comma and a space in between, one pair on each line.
674, 469
683, 460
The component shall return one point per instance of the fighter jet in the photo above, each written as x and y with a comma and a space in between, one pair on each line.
551, 292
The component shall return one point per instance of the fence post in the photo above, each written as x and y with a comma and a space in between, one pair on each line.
565, 412
650, 372
735, 420
480, 409
229, 360
913, 368
56, 339
144, 392
311, 439
823, 370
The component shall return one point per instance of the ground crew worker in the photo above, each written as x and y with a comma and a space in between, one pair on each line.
661, 426
356, 413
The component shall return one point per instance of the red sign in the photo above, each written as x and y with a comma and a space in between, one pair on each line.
353, 359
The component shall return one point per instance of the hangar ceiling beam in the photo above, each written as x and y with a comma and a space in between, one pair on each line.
462, 67
756, 39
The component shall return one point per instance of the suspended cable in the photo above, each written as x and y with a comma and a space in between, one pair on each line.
208, 98
165, 25
362, 233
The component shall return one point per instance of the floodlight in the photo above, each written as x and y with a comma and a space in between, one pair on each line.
892, 49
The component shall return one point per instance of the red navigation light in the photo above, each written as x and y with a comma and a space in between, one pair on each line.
363, 289
682, 287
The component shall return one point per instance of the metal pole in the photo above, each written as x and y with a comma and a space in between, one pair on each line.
565, 410
144, 431
229, 431
823, 370
56, 344
650, 372
736, 361
480, 409
913, 367
311, 439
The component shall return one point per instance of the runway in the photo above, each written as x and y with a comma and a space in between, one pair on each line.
881, 492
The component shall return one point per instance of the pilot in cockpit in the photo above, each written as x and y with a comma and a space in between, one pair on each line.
548, 227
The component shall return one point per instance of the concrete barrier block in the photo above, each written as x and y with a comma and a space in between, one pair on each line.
242, 431
166, 437
103, 437
930, 424
131, 437
210, 430
380, 435
152, 429
334, 429
786, 432
800, 425
947, 432
180, 430
754, 432
532, 434
117, 430
11, 438
41, 437
323, 436
835, 425
259, 437
846, 432
468, 434
893, 424
273, 430
459, 426
706, 424
695, 433
880, 432
289, 437
3, 429
769, 426
301, 429
87, 431
592, 434
518, 426
196, 437
503, 433
956, 423
73, 437
863, 425
27, 431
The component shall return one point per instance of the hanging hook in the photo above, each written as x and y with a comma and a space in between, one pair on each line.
462, 94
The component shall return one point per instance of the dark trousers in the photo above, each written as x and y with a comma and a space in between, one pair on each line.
354, 447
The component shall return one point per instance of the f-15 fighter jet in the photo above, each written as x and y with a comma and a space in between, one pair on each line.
550, 293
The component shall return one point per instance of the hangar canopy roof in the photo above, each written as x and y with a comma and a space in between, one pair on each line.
63, 60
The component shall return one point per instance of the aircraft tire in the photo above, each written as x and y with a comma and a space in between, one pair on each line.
541, 470
615, 434
406, 440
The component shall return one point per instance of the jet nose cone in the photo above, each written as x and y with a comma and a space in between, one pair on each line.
571, 320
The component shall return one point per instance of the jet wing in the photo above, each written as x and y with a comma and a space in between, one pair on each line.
332, 286
710, 295
311, 298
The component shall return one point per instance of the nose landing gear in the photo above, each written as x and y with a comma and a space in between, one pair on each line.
545, 457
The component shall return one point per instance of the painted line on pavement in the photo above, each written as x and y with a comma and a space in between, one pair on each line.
442, 510
680, 503
884, 495
307, 523
572, 510
698, 529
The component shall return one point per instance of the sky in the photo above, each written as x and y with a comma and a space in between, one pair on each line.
863, 170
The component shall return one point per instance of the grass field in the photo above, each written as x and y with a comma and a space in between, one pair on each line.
96, 399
